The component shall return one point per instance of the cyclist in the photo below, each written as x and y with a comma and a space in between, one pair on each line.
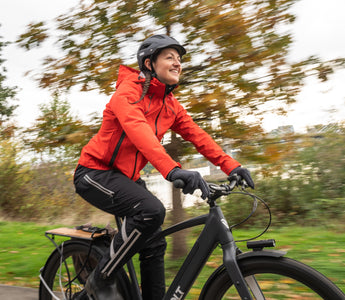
137, 116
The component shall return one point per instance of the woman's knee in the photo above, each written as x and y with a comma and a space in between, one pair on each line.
160, 213
150, 218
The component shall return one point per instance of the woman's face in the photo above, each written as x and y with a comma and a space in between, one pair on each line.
167, 66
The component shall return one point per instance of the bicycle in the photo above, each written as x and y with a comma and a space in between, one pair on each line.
257, 274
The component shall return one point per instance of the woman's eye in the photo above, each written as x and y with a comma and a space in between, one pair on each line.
172, 58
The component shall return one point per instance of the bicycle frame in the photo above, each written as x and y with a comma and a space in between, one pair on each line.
216, 231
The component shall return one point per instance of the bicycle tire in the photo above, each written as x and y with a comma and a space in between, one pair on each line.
278, 278
56, 276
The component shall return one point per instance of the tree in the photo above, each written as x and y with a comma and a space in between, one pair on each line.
6, 94
236, 63
235, 67
56, 133
11, 172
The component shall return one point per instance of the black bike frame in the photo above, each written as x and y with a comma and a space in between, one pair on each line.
216, 231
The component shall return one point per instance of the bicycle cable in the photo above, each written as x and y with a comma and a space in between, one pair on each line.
255, 205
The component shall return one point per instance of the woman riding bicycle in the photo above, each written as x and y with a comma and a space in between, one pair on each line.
137, 116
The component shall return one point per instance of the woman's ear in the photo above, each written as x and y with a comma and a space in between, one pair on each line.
147, 64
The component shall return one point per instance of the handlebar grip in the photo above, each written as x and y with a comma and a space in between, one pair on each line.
179, 183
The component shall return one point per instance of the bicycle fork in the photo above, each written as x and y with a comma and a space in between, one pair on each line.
229, 257
230, 263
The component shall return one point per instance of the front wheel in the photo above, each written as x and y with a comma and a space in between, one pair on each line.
274, 278
64, 276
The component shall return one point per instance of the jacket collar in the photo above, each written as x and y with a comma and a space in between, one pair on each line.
156, 86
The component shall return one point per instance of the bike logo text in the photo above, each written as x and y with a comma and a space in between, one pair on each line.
178, 294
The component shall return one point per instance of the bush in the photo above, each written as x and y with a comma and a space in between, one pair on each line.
43, 192
12, 178
291, 201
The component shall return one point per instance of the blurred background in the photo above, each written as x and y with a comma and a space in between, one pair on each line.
317, 30
264, 78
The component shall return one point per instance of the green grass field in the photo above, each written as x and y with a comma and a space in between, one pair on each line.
24, 250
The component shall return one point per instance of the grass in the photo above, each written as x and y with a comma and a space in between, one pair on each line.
24, 250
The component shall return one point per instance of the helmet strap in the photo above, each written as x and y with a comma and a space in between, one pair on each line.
153, 72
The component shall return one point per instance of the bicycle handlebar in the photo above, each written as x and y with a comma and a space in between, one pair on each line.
220, 189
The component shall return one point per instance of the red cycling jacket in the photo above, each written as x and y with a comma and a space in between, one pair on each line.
131, 130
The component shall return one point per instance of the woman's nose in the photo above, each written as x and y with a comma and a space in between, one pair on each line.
177, 62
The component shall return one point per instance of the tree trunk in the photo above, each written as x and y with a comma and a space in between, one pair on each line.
179, 244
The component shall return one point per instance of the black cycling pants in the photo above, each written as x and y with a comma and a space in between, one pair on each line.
142, 214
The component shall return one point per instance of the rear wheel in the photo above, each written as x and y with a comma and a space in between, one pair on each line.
274, 278
64, 275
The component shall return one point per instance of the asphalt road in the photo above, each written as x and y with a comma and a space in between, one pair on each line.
8, 292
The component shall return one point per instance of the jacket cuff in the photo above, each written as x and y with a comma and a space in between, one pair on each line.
170, 173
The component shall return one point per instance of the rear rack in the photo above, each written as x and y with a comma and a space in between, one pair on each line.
76, 233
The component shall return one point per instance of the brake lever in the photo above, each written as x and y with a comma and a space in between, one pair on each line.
232, 184
240, 182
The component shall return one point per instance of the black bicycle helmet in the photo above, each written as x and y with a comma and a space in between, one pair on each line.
153, 44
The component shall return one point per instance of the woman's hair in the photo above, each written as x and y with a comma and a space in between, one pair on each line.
148, 74
148, 77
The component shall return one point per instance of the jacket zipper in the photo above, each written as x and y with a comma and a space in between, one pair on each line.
117, 148
156, 130
135, 164
156, 121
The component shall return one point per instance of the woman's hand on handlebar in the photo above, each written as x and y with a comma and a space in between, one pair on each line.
239, 175
192, 181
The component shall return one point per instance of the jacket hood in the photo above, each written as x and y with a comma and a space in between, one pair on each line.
128, 73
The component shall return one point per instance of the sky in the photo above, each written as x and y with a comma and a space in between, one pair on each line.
319, 30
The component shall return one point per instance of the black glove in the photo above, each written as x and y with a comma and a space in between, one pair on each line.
192, 181
238, 174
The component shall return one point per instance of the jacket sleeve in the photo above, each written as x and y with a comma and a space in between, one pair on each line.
131, 115
203, 142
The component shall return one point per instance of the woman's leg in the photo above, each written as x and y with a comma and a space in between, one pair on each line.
152, 270
143, 214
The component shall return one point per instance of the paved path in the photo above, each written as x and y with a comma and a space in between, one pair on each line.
8, 292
